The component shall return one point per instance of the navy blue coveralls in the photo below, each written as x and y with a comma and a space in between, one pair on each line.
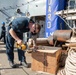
3, 33
19, 25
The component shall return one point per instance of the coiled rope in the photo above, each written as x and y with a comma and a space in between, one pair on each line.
70, 64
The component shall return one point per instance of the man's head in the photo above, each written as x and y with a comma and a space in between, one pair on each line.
18, 10
34, 28
3, 23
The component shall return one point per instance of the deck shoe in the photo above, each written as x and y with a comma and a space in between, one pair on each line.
24, 64
12, 64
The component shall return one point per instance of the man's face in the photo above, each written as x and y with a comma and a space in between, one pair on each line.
34, 29
3, 24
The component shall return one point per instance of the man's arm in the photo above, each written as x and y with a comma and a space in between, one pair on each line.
13, 34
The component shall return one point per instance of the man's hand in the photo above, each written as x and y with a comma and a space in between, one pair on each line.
19, 42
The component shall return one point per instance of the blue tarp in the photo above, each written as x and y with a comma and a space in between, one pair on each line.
53, 22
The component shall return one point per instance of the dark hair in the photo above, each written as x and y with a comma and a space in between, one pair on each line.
18, 10
31, 21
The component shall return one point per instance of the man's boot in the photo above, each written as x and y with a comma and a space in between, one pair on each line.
25, 64
12, 64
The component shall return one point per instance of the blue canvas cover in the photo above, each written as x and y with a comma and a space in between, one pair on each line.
53, 22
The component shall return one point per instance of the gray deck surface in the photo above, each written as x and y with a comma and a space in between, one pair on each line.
5, 69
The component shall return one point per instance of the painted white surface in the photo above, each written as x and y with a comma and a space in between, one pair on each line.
35, 8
